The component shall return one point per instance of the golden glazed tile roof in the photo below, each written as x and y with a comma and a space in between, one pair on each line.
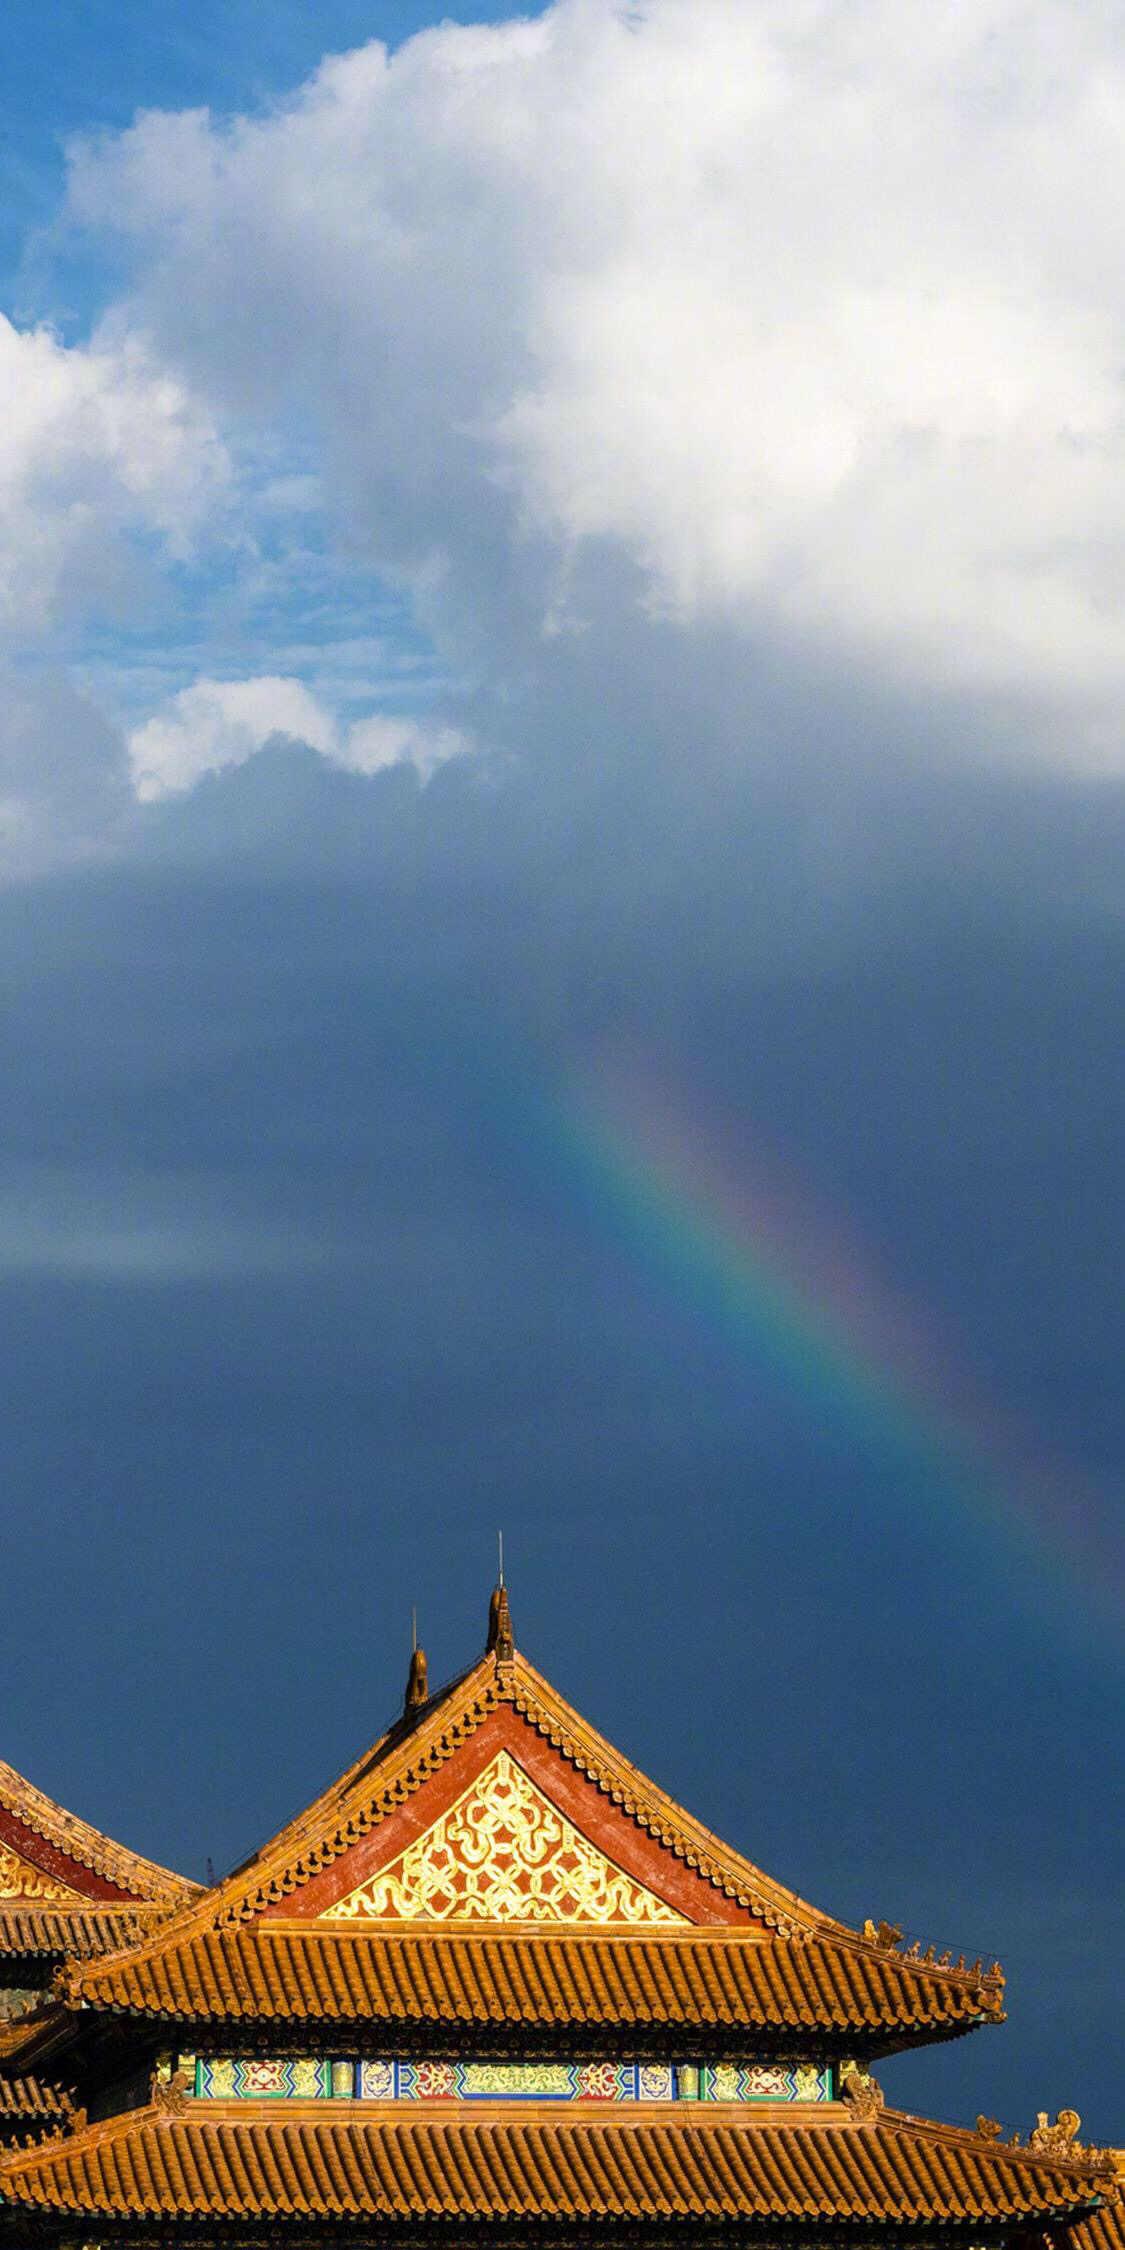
287, 1972
214, 1956
217, 2161
406, 1757
79, 1932
1104, 2229
33, 2100
82, 1847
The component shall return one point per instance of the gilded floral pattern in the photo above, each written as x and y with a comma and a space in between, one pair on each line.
19, 1879
504, 1853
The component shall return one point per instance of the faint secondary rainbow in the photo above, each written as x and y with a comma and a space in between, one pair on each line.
739, 1244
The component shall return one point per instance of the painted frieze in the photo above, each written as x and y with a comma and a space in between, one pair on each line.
310, 2078
523, 2081
763, 2082
243, 2078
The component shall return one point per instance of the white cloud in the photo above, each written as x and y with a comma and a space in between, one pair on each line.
813, 312
386, 739
107, 466
216, 723
95, 444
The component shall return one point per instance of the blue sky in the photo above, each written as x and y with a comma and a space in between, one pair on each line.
68, 68
585, 550
69, 71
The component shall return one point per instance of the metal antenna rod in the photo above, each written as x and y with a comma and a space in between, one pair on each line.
500, 1542
414, 1631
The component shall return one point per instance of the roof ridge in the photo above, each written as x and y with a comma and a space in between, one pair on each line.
1081, 2161
664, 1818
373, 1755
80, 2131
15, 2031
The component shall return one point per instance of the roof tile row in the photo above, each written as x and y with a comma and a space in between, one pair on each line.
274, 1973
32, 2098
79, 1933
300, 2164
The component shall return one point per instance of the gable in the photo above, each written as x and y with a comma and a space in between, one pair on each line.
503, 1852
20, 1879
493, 1835
507, 1829
50, 1856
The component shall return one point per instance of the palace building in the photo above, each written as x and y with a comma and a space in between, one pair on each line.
67, 1894
492, 1987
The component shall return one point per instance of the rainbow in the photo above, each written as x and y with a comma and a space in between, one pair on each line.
745, 1248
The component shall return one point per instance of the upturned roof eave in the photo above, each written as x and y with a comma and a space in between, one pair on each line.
400, 1762
650, 2166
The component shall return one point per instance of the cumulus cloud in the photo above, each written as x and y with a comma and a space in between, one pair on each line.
811, 315
108, 467
95, 443
718, 370
110, 470
217, 723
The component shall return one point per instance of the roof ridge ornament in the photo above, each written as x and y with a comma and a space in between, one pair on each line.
500, 1642
860, 2091
885, 1934
169, 2089
1059, 2139
417, 1679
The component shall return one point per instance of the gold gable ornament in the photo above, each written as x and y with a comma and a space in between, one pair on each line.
19, 1879
503, 1853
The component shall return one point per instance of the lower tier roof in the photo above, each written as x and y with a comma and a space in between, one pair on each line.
228, 2161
